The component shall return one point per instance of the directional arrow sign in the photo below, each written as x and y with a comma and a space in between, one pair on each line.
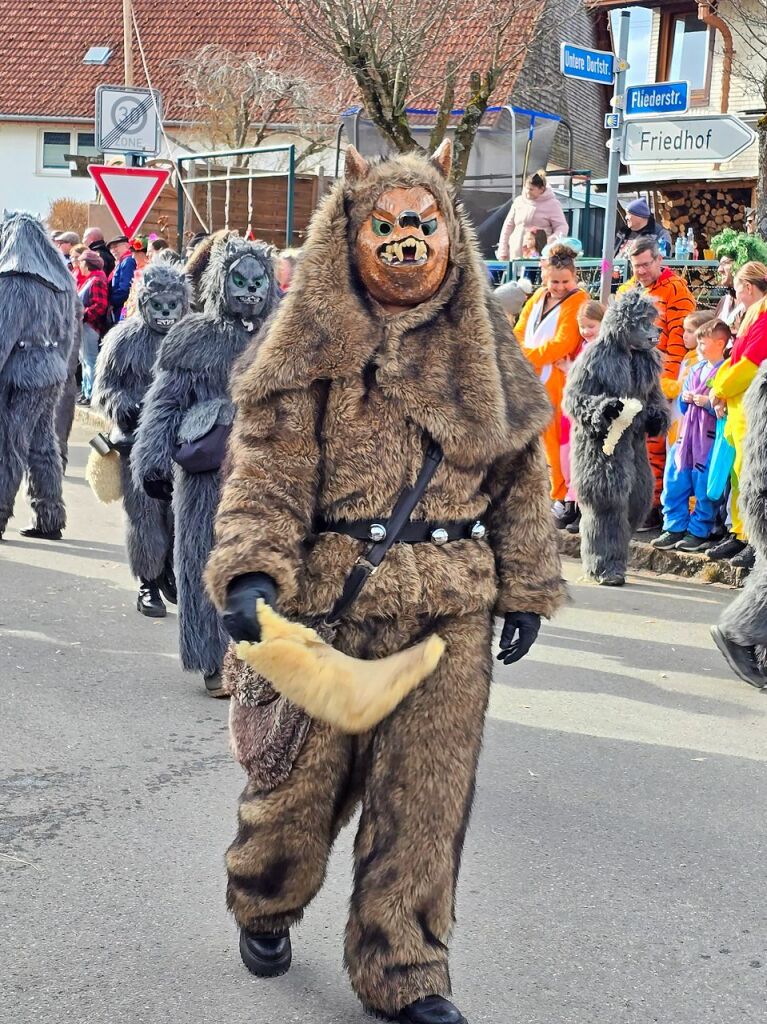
129, 192
679, 140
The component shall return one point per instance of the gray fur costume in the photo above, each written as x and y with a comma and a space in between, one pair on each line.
745, 619
39, 324
123, 375
615, 491
191, 392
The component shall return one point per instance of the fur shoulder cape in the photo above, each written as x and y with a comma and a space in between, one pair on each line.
452, 363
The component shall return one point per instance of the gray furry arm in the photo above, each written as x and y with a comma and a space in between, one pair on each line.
522, 535
657, 410
588, 410
110, 395
169, 397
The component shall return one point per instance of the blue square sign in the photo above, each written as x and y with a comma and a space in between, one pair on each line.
588, 65
658, 98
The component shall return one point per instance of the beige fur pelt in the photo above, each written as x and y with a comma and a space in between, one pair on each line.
103, 474
631, 409
351, 694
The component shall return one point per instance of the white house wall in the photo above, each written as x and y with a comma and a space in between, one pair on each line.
24, 185
743, 96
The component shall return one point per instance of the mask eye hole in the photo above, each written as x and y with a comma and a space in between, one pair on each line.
429, 226
381, 227
238, 280
156, 305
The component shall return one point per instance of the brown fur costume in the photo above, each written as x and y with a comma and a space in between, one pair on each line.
450, 368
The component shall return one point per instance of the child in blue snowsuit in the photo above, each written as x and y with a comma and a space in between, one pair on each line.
686, 474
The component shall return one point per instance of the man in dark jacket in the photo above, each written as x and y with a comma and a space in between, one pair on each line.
94, 239
122, 278
639, 222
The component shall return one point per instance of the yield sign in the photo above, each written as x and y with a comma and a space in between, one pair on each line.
129, 192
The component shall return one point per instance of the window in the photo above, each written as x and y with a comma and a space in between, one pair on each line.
686, 53
640, 38
86, 144
55, 146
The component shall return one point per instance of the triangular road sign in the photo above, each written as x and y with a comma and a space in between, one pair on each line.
129, 192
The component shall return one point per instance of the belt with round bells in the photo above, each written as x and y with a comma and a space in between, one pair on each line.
377, 530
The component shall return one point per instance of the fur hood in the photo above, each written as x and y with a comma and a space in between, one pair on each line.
222, 255
630, 321
26, 249
451, 362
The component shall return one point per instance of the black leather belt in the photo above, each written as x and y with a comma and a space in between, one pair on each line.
411, 533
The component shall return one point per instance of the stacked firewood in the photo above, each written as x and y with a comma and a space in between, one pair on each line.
706, 211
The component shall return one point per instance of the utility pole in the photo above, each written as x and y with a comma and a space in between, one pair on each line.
614, 166
128, 40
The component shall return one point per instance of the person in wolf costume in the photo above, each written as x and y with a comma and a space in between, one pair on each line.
387, 344
614, 400
124, 373
742, 628
39, 324
181, 439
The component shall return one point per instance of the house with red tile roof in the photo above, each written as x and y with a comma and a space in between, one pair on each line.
55, 53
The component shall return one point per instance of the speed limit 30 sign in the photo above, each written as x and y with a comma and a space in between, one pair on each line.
128, 120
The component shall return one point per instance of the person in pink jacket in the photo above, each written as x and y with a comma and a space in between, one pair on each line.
537, 207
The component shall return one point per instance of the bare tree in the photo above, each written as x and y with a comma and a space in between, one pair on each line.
747, 20
239, 98
401, 51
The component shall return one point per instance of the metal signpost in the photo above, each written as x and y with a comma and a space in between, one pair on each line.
662, 140
657, 98
614, 167
128, 120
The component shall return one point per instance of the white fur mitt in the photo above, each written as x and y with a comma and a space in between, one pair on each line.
631, 409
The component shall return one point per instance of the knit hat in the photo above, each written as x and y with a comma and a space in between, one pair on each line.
92, 260
639, 208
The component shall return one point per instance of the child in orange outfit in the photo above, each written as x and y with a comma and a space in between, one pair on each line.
590, 317
548, 333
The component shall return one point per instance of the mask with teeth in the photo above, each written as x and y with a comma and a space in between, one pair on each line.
402, 250
247, 288
161, 309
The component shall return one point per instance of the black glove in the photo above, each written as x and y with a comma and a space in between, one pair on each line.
655, 424
528, 625
612, 409
240, 619
158, 488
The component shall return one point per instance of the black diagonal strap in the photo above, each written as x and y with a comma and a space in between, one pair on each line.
404, 507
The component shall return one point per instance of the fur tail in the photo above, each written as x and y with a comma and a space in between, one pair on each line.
350, 694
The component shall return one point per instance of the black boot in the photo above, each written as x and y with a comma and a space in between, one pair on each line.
574, 527
214, 685
39, 534
565, 515
742, 660
149, 602
266, 956
431, 1010
166, 581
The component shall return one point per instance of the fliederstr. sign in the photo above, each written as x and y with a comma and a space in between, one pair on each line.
657, 98
714, 139
128, 120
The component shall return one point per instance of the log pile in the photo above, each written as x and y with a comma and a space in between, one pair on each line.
707, 211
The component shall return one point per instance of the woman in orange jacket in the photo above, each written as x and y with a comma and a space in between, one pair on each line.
549, 335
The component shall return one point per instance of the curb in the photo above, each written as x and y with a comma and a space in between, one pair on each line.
87, 417
643, 557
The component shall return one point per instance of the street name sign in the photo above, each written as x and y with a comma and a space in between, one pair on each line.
657, 98
129, 192
128, 120
587, 65
664, 140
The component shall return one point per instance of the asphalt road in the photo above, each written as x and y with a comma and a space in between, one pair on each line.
614, 870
